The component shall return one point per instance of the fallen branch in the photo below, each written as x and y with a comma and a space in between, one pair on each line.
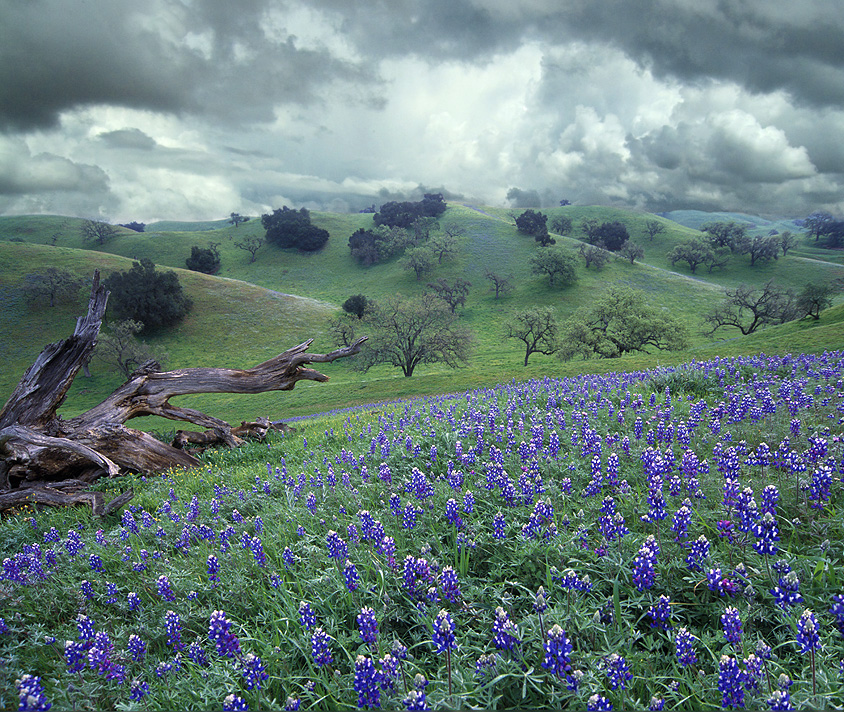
37, 445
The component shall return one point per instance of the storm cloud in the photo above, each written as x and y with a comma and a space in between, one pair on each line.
176, 109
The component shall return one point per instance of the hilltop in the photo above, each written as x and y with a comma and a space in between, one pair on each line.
251, 311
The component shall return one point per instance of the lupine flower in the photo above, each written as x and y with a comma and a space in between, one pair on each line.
133, 600
136, 647
766, 532
86, 627
219, 633
837, 610
138, 690
213, 564
730, 682
350, 575
415, 700
164, 589
731, 623
644, 572
319, 648
684, 643
505, 632
498, 526
558, 649
367, 682
173, 625
31, 694
449, 583
292, 704
787, 591
367, 625
598, 703
660, 613
485, 665
779, 700
754, 666
807, 631
618, 671
254, 672
443, 634
197, 654
233, 703
337, 548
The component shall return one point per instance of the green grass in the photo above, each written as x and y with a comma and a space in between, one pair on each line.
266, 511
240, 317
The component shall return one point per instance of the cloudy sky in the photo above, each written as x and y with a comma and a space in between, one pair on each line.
192, 109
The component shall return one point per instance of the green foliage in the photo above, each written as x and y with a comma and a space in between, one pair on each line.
420, 261
204, 259
369, 247
406, 333
532, 222
52, 285
612, 235
558, 265
694, 252
287, 227
404, 214
620, 321
143, 294
357, 305
725, 234
452, 293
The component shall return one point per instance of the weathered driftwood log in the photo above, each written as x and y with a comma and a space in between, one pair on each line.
37, 445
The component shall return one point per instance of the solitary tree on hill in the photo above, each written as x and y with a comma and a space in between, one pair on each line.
620, 321
292, 228
98, 231
537, 328
558, 265
748, 309
501, 284
204, 259
156, 299
251, 244
53, 285
407, 333
654, 228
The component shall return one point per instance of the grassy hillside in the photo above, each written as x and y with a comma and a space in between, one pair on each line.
245, 315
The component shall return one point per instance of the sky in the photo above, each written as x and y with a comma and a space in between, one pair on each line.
193, 109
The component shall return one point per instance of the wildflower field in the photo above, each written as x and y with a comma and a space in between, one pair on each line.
652, 540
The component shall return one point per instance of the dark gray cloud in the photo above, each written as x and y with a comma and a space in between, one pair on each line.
45, 173
214, 59
128, 138
175, 110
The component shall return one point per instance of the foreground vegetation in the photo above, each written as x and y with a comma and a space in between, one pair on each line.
661, 538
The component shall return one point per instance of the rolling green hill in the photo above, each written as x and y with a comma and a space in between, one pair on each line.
247, 314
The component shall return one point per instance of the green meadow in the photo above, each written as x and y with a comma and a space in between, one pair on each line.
251, 311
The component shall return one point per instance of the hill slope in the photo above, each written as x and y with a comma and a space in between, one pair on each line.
243, 315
